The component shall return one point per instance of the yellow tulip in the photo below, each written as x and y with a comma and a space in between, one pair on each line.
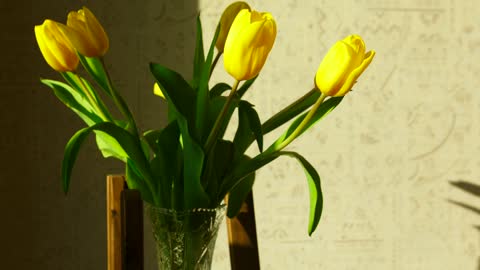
55, 47
342, 65
86, 33
226, 21
248, 43
157, 91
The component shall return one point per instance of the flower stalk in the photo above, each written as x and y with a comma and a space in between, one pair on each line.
302, 125
212, 137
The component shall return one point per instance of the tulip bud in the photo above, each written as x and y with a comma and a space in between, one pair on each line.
342, 66
248, 43
226, 21
86, 33
55, 47
157, 91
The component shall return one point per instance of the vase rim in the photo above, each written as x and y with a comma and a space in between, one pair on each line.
164, 210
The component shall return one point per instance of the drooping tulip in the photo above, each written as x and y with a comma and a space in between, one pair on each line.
342, 66
226, 21
86, 33
248, 43
55, 47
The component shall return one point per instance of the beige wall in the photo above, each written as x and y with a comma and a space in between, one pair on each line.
386, 155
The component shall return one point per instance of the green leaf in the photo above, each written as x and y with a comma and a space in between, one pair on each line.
242, 170
248, 123
94, 67
237, 195
218, 89
73, 100
129, 143
178, 93
203, 94
164, 164
316, 197
151, 137
292, 111
109, 147
135, 181
218, 163
193, 157
199, 57
246, 85
324, 109
216, 105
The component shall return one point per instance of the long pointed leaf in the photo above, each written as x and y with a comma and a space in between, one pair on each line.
203, 93
178, 93
130, 145
324, 109
199, 58
73, 100
193, 156
248, 124
315, 189
237, 195
94, 67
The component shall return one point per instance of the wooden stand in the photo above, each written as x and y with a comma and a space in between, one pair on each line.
125, 230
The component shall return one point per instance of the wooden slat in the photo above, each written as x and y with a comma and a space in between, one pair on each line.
132, 230
242, 238
115, 186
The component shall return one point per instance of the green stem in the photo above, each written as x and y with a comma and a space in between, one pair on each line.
212, 137
301, 126
96, 103
293, 109
121, 104
215, 62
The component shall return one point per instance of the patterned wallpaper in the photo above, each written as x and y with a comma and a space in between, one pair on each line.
387, 155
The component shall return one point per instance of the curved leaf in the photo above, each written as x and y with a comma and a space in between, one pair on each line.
237, 195
180, 96
248, 124
129, 143
315, 189
219, 89
73, 100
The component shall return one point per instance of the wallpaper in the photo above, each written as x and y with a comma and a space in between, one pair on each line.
399, 158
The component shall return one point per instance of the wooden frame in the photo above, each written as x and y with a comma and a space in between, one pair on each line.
125, 230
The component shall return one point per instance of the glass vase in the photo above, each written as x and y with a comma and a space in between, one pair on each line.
185, 240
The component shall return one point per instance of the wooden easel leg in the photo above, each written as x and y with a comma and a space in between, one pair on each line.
115, 186
242, 238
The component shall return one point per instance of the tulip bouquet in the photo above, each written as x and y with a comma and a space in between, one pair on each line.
188, 164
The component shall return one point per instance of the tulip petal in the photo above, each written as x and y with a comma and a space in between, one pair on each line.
334, 68
47, 54
78, 39
352, 78
228, 16
242, 54
62, 48
241, 20
96, 31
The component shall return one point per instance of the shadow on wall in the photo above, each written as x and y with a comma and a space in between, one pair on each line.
472, 189
40, 227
